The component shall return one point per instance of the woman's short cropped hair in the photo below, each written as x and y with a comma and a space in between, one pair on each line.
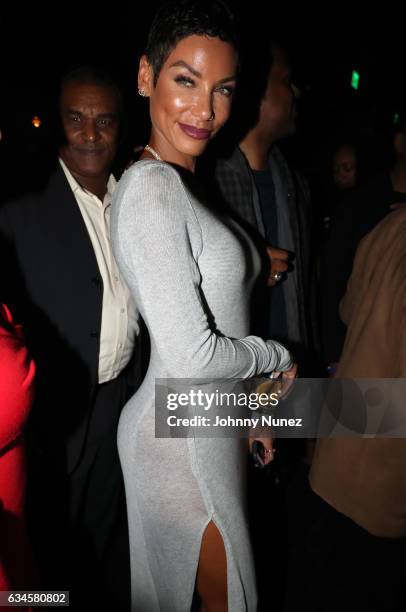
178, 19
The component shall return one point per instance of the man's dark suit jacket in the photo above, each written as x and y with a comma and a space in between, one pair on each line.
51, 279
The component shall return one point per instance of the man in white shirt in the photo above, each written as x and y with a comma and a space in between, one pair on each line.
81, 327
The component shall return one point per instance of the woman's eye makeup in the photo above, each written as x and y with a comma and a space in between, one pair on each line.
226, 90
184, 80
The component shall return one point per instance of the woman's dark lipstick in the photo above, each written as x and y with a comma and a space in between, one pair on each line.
193, 132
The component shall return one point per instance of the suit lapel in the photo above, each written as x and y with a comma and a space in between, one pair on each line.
65, 222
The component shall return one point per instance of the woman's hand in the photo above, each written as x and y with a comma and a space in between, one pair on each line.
291, 373
266, 452
287, 378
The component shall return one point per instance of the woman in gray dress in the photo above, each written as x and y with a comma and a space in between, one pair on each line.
191, 274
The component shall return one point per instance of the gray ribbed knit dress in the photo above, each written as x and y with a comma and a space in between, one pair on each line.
191, 275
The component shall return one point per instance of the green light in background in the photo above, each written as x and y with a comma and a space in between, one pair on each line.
396, 118
355, 79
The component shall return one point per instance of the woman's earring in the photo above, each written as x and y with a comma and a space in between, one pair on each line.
141, 92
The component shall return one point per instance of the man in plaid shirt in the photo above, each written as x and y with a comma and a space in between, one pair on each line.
255, 184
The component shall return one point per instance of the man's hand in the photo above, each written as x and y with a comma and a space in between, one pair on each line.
279, 264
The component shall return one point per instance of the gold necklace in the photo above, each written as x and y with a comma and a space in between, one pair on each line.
153, 152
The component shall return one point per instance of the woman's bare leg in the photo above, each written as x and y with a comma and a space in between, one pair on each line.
211, 580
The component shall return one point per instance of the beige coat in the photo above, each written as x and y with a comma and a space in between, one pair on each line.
365, 479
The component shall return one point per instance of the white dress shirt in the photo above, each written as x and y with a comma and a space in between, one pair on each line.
119, 315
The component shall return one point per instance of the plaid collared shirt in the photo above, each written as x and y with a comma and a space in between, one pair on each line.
238, 194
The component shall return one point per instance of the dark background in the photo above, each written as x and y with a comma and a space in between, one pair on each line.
39, 43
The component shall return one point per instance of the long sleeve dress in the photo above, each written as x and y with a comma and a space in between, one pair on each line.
191, 274
17, 372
